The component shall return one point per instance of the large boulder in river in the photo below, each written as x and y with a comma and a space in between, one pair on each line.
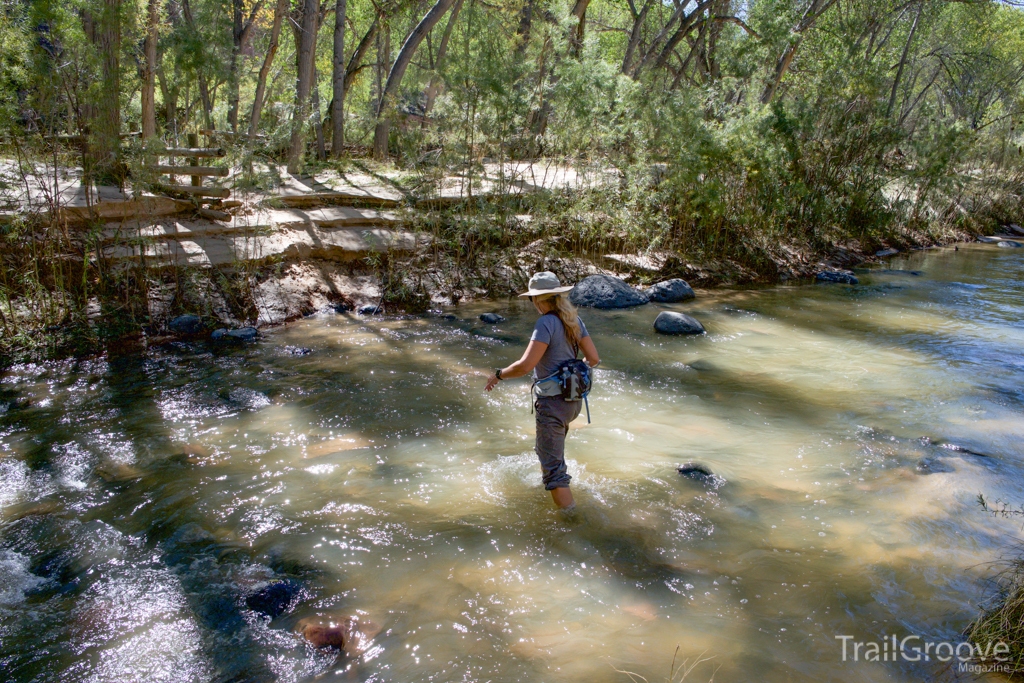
671, 291
840, 276
670, 322
186, 324
605, 291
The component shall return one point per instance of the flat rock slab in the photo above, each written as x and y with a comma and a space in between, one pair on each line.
671, 291
606, 291
670, 322
209, 248
1009, 244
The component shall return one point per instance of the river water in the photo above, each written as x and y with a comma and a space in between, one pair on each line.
145, 500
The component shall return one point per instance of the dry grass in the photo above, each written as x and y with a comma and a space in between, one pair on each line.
1004, 620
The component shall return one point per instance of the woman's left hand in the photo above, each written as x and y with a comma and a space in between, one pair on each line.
491, 381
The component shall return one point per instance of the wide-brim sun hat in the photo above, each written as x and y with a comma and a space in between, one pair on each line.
544, 283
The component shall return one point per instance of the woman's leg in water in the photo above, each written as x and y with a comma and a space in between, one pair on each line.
553, 418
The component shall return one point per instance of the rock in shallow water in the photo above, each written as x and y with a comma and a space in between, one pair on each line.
671, 291
186, 324
670, 322
274, 599
1007, 244
839, 276
323, 633
605, 291
887, 252
370, 309
243, 334
492, 318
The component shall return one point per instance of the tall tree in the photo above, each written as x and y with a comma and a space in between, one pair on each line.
261, 80
814, 10
149, 71
394, 82
338, 81
307, 24
103, 29
241, 34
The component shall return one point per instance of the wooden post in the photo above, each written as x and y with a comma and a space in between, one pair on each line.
193, 141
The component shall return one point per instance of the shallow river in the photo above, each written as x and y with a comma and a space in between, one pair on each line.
145, 501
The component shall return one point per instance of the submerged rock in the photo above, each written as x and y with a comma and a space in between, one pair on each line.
243, 334
695, 470
933, 465
186, 324
492, 318
671, 291
322, 633
670, 322
274, 599
1007, 244
839, 276
297, 350
370, 309
605, 291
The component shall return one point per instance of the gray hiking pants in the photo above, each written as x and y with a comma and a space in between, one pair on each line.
553, 417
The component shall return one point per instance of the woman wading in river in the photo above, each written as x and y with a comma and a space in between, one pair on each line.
558, 336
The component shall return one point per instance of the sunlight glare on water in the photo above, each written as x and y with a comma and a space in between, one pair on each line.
358, 462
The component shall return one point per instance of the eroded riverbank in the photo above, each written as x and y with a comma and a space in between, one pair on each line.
147, 499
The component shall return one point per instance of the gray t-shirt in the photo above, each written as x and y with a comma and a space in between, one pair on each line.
550, 330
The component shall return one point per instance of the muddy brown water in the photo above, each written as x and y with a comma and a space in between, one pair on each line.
146, 500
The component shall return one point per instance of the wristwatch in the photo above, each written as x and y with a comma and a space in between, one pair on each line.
497, 373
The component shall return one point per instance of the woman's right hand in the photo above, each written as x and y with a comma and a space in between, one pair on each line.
491, 381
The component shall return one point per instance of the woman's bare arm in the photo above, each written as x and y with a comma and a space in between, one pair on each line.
590, 351
523, 366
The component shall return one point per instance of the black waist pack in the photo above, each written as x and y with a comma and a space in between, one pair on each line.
574, 378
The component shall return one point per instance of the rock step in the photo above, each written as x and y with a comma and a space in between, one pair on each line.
210, 249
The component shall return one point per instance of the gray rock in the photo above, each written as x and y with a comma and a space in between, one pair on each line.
370, 309
1007, 244
186, 324
1016, 229
492, 318
670, 322
671, 291
887, 252
839, 276
243, 334
605, 291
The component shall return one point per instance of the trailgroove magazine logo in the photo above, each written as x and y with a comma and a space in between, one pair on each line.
970, 657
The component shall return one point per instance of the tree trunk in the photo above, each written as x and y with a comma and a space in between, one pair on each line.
635, 34
338, 81
382, 128
903, 62
104, 148
303, 82
241, 31
398, 71
815, 10
318, 127
442, 50
261, 82
355, 61
579, 10
149, 73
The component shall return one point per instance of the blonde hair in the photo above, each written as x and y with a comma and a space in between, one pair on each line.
566, 312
